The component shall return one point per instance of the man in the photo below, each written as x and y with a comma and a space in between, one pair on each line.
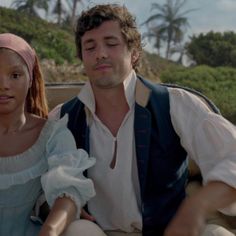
140, 134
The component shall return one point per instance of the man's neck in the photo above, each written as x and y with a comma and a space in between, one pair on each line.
110, 99
111, 107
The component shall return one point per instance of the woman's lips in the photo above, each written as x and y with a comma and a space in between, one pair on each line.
5, 98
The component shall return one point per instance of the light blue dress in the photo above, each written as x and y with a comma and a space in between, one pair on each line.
53, 165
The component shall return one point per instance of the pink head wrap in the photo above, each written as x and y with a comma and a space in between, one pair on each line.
21, 47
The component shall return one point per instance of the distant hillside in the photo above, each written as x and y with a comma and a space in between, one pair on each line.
48, 39
56, 49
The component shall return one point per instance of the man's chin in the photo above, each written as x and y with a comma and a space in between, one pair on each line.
105, 84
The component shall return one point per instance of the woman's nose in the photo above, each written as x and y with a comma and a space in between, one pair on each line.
4, 83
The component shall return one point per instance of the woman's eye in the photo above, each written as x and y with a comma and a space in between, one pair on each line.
15, 75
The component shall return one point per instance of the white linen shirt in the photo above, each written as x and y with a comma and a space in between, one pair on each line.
208, 138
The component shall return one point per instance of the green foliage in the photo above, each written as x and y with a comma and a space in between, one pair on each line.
153, 65
219, 84
213, 49
28, 6
48, 39
51, 42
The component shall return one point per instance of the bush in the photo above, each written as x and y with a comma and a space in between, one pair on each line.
49, 40
219, 84
213, 49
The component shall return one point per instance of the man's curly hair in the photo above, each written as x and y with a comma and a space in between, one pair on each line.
98, 14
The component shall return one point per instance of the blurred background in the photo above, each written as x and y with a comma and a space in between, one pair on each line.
187, 42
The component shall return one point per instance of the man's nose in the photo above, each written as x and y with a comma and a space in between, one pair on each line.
101, 52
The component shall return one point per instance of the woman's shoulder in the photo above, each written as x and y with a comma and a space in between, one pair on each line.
48, 126
35, 121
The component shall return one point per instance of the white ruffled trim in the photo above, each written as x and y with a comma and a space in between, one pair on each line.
65, 177
9, 180
73, 198
77, 159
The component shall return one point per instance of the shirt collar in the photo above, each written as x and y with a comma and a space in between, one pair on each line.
87, 97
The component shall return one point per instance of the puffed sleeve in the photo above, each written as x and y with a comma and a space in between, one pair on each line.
66, 165
209, 139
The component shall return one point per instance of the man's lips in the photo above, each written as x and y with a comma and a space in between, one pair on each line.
102, 67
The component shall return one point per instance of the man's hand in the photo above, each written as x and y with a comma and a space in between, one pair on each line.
85, 215
191, 217
189, 220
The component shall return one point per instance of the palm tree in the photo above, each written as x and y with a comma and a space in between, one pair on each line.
156, 34
66, 11
170, 22
181, 50
30, 6
73, 4
59, 11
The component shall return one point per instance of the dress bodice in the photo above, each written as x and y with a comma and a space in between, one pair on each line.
20, 187
52, 165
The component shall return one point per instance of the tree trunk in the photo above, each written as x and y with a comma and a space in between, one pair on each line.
59, 8
74, 7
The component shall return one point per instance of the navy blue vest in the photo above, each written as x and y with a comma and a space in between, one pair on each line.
161, 160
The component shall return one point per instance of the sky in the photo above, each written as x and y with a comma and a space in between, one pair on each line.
210, 15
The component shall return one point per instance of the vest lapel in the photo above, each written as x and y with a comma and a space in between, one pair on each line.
142, 127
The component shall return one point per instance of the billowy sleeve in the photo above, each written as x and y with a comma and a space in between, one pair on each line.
55, 113
208, 138
66, 165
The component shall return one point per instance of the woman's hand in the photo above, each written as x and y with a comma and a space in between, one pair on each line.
61, 215
47, 231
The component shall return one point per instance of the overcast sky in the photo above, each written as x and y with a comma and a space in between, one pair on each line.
216, 15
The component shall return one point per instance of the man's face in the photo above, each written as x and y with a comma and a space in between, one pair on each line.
106, 58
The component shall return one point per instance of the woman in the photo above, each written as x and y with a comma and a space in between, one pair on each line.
36, 154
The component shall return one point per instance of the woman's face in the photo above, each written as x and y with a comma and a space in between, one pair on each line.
14, 82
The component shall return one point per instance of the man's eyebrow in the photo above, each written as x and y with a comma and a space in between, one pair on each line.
89, 40
111, 37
